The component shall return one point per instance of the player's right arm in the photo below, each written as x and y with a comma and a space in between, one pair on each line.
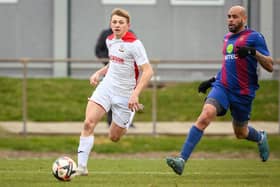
203, 86
95, 78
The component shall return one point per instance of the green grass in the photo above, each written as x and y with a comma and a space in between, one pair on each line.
135, 144
65, 100
144, 173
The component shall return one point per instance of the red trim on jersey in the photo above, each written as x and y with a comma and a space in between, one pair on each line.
224, 72
242, 74
242, 66
136, 70
129, 37
111, 36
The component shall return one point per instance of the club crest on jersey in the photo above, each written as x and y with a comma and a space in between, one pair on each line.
121, 49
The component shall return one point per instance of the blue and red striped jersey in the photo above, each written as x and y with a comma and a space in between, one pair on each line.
239, 75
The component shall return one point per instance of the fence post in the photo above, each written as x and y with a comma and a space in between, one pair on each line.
278, 62
154, 99
24, 96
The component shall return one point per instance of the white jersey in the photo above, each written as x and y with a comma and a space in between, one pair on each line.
125, 55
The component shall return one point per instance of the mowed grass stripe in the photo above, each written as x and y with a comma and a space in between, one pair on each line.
145, 172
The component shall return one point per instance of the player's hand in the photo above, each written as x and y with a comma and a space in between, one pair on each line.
205, 85
242, 52
94, 79
133, 103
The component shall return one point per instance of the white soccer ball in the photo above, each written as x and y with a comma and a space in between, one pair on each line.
64, 168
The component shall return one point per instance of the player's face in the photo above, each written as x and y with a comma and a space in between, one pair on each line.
119, 26
236, 22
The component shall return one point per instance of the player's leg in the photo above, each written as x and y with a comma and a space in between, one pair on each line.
98, 104
109, 118
251, 134
240, 114
94, 112
130, 122
177, 163
121, 118
211, 108
116, 132
207, 115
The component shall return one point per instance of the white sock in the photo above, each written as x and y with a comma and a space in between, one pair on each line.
85, 146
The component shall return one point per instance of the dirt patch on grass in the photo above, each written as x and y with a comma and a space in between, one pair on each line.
146, 155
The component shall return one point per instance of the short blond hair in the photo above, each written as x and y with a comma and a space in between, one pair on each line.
122, 13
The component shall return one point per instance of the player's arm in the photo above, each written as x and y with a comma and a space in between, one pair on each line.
203, 86
95, 78
147, 73
265, 61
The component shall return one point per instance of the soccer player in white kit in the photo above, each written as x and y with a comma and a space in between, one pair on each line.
120, 88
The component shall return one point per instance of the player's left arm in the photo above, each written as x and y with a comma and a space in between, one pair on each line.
147, 73
262, 54
258, 50
265, 61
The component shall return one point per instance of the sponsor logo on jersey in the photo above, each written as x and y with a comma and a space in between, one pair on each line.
230, 57
230, 48
116, 59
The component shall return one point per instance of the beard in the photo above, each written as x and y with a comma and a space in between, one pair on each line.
236, 28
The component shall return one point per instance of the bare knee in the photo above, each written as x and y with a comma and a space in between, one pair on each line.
88, 127
203, 122
241, 135
240, 129
116, 132
114, 138
207, 115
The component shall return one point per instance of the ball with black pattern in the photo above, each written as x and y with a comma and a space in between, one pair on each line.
64, 168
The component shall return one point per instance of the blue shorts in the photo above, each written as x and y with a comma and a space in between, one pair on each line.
240, 105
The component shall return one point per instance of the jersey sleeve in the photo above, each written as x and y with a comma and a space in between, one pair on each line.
139, 53
260, 44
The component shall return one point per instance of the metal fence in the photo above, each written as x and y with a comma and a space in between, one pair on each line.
25, 61
159, 77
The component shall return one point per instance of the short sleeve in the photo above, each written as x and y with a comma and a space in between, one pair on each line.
139, 53
260, 44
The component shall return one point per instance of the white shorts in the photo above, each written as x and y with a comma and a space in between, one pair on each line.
118, 104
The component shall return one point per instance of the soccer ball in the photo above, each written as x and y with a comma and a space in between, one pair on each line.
63, 168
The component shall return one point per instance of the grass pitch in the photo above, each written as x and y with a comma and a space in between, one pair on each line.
144, 172
68, 99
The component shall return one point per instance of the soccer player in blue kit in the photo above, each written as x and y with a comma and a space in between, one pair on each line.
233, 88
